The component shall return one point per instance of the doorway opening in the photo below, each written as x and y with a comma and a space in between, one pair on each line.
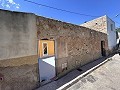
103, 51
46, 52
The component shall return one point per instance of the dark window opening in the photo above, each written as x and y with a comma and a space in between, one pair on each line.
103, 51
45, 49
111, 27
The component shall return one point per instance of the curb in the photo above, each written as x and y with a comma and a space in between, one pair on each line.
67, 85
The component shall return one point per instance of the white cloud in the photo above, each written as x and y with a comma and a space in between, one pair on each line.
9, 4
17, 7
11, 1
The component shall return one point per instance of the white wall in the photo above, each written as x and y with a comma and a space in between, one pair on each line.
118, 38
112, 41
47, 68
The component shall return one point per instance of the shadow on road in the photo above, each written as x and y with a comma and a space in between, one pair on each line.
72, 75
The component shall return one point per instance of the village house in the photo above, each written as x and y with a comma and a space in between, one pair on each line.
36, 49
106, 25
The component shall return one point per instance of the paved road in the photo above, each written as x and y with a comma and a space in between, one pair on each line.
106, 77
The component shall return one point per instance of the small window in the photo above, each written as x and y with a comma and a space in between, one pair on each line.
45, 49
111, 27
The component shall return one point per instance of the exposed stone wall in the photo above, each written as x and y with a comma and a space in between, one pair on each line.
103, 24
74, 45
99, 24
18, 51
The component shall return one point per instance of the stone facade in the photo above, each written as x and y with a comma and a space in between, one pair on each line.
74, 45
98, 24
103, 24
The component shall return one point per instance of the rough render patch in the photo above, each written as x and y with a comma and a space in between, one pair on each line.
24, 77
19, 61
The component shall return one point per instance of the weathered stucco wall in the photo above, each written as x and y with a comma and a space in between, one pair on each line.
17, 35
18, 51
74, 45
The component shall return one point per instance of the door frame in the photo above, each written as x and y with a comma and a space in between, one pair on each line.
103, 51
39, 58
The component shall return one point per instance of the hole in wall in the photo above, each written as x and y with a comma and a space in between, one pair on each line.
44, 39
79, 69
1, 79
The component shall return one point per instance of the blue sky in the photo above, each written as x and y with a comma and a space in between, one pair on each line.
89, 7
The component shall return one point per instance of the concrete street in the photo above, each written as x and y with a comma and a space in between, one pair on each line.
106, 77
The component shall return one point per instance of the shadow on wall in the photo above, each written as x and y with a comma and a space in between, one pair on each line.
47, 68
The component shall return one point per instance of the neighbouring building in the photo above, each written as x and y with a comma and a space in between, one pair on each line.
106, 25
36, 49
118, 35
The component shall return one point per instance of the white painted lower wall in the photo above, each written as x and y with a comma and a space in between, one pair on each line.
112, 41
47, 68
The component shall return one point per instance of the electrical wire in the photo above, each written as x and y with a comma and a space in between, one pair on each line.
60, 9
66, 10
